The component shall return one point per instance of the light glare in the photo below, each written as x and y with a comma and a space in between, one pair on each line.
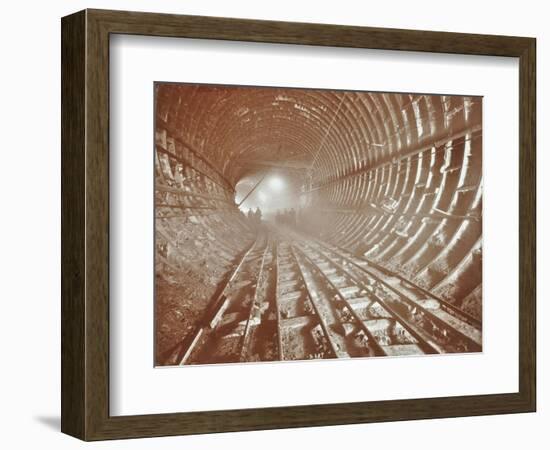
276, 183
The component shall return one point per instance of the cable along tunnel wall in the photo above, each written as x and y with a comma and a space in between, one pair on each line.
395, 179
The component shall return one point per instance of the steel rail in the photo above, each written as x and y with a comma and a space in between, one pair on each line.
185, 347
424, 344
277, 305
343, 299
245, 340
449, 307
475, 346
320, 317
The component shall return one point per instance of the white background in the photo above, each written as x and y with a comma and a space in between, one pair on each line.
30, 237
138, 388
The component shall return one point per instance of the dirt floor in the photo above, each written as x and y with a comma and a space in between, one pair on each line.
180, 301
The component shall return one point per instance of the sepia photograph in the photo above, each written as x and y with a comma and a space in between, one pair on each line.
298, 224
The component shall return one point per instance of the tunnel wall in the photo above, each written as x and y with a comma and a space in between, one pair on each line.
199, 232
395, 178
414, 206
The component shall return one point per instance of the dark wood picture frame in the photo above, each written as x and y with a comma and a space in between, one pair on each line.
85, 224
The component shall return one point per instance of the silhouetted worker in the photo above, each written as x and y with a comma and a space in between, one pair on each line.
287, 217
258, 216
292, 218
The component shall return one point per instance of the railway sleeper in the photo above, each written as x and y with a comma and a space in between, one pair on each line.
392, 291
349, 291
338, 281
402, 350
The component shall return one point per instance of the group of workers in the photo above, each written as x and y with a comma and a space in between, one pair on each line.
286, 217
255, 216
282, 217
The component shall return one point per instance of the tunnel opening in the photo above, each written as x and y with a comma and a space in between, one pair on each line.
305, 224
270, 191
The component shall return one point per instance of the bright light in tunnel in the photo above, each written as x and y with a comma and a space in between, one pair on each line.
276, 183
262, 197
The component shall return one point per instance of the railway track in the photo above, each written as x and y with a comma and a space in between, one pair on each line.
291, 298
302, 326
407, 287
223, 333
425, 318
259, 342
366, 325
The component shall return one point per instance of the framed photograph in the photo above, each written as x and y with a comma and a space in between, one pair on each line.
273, 225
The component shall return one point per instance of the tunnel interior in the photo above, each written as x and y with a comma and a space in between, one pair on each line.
394, 179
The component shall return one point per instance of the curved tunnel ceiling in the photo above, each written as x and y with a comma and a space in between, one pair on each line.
395, 178
234, 127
